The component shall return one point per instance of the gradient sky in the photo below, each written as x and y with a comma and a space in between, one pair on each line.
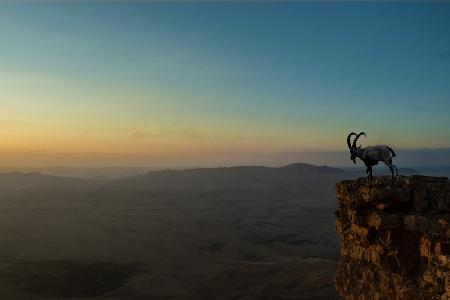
218, 83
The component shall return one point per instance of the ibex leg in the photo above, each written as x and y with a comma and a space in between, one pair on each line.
369, 174
392, 167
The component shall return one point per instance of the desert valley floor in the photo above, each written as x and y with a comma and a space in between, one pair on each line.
225, 233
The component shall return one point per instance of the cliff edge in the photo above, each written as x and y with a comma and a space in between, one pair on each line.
395, 238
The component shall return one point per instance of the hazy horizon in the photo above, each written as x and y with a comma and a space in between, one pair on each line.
406, 158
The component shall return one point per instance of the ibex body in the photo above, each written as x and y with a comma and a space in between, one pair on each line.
371, 155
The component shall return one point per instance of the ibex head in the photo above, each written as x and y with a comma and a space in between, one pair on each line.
352, 146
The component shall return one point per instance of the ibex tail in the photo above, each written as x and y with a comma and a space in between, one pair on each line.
392, 151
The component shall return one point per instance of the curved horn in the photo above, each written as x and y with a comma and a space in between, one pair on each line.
357, 137
348, 139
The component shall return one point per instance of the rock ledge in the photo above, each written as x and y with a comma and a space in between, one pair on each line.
395, 238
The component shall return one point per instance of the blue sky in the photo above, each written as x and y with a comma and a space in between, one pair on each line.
183, 79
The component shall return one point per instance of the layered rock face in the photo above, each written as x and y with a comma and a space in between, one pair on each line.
395, 238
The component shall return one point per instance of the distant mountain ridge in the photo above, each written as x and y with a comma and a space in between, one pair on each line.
244, 171
239, 176
308, 168
23, 180
243, 176
293, 167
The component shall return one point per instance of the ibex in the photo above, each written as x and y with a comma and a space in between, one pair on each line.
371, 155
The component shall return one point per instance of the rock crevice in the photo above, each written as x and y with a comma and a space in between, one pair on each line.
395, 238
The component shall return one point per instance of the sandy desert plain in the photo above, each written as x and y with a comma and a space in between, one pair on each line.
218, 233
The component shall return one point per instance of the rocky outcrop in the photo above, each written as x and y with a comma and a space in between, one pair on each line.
395, 238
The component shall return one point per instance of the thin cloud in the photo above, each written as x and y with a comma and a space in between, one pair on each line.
141, 135
37, 151
193, 134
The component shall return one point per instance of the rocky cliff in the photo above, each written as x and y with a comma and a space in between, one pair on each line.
395, 238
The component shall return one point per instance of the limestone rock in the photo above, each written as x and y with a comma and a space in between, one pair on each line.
395, 238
